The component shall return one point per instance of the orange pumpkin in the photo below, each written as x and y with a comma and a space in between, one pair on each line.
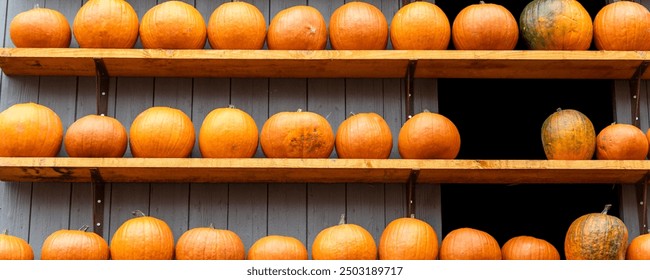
485, 26
556, 25
596, 236
344, 242
364, 135
236, 25
299, 134
408, 239
469, 244
173, 25
568, 135
160, 132
209, 243
106, 24
297, 28
619, 141
358, 26
428, 135
277, 247
96, 136
142, 238
639, 248
14, 248
30, 130
528, 248
65, 244
40, 28
622, 26
228, 133
420, 26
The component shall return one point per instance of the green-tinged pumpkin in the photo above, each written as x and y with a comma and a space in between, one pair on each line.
529, 248
408, 239
568, 134
469, 244
596, 236
67, 244
277, 247
209, 243
30, 130
14, 248
556, 25
142, 238
344, 242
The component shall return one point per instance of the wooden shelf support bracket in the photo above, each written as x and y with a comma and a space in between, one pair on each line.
635, 90
98, 201
103, 83
642, 203
410, 92
410, 192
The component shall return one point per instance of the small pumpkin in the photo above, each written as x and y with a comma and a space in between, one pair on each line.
469, 244
620, 141
96, 136
364, 135
639, 248
14, 248
236, 25
162, 132
66, 244
596, 236
525, 247
556, 25
142, 238
485, 26
173, 25
568, 134
228, 133
298, 27
298, 134
408, 239
622, 26
428, 135
106, 24
209, 243
420, 26
344, 242
358, 25
30, 130
40, 28
277, 247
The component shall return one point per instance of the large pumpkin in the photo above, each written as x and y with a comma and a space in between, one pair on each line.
344, 242
299, 134
14, 248
142, 238
556, 25
639, 248
173, 25
485, 26
364, 135
209, 243
66, 244
30, 130
106, 24
297, 28
236, 25
160, 132
420, 26
620, 141
408, 239
568, 135
96, 136
469, 244
40, 28
358, 25
277, 247
622, 26
596, 236
228, 133
428, 135
528, 248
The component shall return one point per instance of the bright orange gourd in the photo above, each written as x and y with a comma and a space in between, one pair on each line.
596, 236
485, 26
277, 247
428, 135
568, 135
299, 134
358, 26
66, 244
30, 130
420, 26
297, 28
620, 141
14, 248
106, 24
344, 242
96, 136
162, 132
228, 133
40, 28
209, 243
622, 26
364, 135
173, 25
236, 25
142, 238
528, 248
469, 244
408, 239
556, 25
639, 248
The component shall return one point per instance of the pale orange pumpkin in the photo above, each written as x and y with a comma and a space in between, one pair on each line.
40, 28
277, 247
162, 132
236, 25
528, 248
364, 135
30, 130
66, 244
639, 248
106, 24
173, 25
622, 26
298, 134
358, 25
620, 141
344, 242
485, 26
228, 133
420, 26
209, 243
142, 238
568, 135
96, 136
14, 248
428, 135
469, 244
408, 239
298, 27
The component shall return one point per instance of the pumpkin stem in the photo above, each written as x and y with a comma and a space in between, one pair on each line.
342, 220
5, 232
299, 110
138, 213
352, 114
211, 226
36, 6
607, 206
84, 228
230, 106
426, 111
481, 2
412, 215
558, 109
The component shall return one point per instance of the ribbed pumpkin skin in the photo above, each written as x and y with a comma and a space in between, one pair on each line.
428, 135
30, 130
96, 136
68, 244
485, 26
143, 238
14, 248
364, 135
277, 247
622, 26
420, 26
344, 242
106, 24
556, 25
639, 248
228, 133
568, 135
208, 243
236, 25
529, 248
596, 236
298, 134
620, 141
162, 132
40, 28
173, 25
408, 239
469, 244
358, 26
297, 28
